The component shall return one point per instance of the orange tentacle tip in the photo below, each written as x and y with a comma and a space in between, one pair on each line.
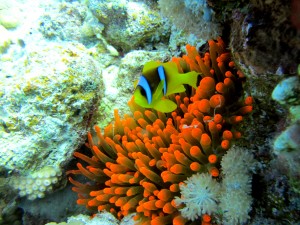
205, 140
237, 134
217, 101
231, 64
212, 158
227, 135
203, 106
179, 220
195, 166
246, 109
248, 100
228, 74
206, 218
214, 172
218, 118
195, 151
221, 88
207, 84
225, 144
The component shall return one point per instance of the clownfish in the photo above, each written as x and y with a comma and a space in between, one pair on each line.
159, 80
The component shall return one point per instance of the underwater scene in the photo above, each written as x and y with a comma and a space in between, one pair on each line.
149, 112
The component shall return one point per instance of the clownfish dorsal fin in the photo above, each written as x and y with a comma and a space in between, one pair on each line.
144, 84
162, 77
177, 80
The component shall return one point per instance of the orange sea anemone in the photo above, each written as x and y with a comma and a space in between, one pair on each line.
138, 162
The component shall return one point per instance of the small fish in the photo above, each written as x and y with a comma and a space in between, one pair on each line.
159, 80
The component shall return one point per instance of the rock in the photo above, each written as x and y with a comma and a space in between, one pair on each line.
47, 99
287, 91
288, 140
129, 24
10, 14
5, 39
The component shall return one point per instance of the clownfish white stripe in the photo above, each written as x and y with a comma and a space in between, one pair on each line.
144, 84
162, 76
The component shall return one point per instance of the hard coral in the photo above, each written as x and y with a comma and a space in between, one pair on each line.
37, 184
139, 162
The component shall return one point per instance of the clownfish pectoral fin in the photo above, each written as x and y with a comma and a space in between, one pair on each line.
144, 84
162, 76
140, 99
165, 106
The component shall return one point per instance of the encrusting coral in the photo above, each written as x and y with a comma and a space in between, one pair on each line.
35, 185
139, 162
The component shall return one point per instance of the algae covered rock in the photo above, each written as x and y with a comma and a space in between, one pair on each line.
69, 22
103, 218
192, 17
47, 99
287, 91
129, 24
5, 39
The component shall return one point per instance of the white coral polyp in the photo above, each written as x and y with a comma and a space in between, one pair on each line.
37, 184
236, 207
199, 194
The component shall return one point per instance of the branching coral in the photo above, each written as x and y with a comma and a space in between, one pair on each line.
138, 162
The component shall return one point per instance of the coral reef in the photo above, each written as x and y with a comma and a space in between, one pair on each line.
5, 39
191, 16
60, 60
266, 49
265, 45
228, 201
287, 91
129, 24
10, 214
42, 99
138, 162
68, 22
103, 218
287, 143
10, 14
288, 140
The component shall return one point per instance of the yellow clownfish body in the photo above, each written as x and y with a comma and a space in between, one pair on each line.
161, 79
